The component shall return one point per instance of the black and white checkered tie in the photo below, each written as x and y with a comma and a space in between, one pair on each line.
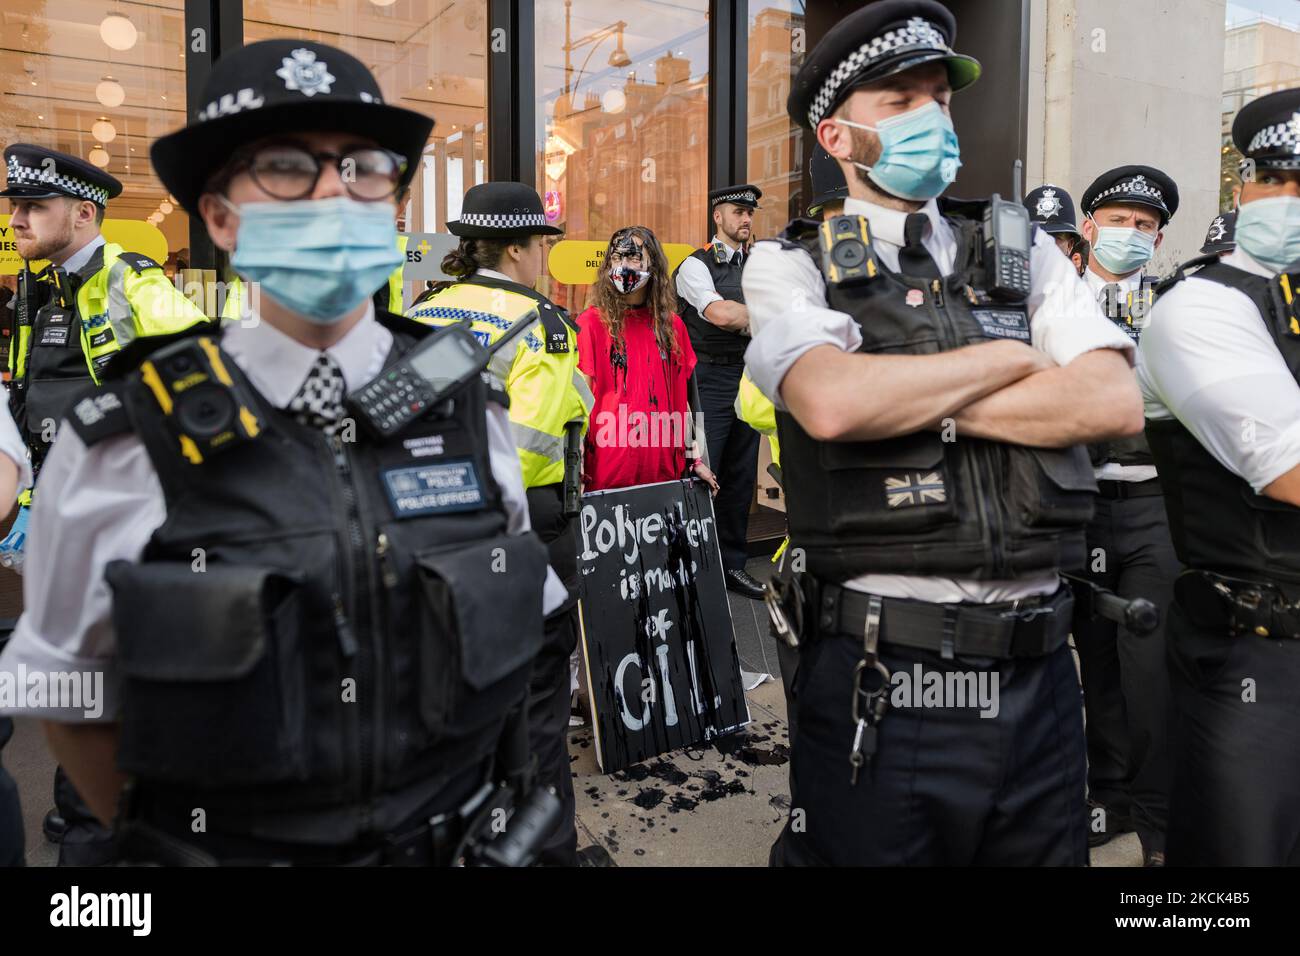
319, 402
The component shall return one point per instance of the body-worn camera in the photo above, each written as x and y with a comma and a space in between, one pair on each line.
847, 258
208, 410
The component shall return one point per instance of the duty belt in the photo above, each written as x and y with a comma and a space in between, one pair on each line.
1239, 606
1109, 488
1032, 627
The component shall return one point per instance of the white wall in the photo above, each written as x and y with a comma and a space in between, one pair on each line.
1114, 82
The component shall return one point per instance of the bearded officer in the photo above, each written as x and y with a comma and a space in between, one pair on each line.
503, 230
295, 616
925, 555
1220, 372
1125, 677
712, 305
1052, 209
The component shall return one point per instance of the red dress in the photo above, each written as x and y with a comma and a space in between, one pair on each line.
640, 419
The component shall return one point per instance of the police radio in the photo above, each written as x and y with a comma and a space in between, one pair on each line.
847, 258
208, 410
1008, 239
439, 365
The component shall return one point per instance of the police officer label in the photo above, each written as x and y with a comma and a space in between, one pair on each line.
433, 489
1003, 323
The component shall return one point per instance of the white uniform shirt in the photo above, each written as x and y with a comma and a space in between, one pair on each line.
1207, 359
786, 297
1110, 470
79, 258
103, 503
695, 285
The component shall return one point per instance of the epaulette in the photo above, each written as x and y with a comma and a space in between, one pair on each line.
138, 261
1181, 272
555, 322
129, 357
99, 412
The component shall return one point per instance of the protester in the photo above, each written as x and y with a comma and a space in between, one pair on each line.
636, 354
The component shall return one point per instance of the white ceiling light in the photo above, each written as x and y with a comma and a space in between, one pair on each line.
383, 3
118, 32
109, 92
165, 207
154, 219
103, 130
99, 156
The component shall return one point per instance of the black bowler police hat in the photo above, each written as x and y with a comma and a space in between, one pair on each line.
827, 180
39, 173
502, 211
1222, 234
1144, 185
1053, 209
870, 44
742, 194
281, 86
1267, 130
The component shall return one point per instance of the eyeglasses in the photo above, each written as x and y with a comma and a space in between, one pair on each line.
288, 171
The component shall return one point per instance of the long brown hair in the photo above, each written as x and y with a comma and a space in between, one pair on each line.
661, 299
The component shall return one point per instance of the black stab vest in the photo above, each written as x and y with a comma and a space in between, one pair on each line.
322, 626
917, 504
1216, 520
1131, 319
707, 338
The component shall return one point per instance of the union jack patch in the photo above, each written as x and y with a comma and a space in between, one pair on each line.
915, 488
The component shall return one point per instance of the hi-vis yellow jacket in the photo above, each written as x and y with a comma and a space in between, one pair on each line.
127, 297
757, 411
540, 372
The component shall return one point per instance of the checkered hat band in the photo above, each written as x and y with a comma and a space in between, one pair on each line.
917, 34
494, 221
20, 175
1130, 186
1280, 134
742, 196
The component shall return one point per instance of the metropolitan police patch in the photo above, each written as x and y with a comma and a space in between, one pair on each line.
433, 489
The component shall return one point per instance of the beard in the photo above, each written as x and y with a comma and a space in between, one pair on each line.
43, 246
866, 150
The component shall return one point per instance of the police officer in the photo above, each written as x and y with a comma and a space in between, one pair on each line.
1220, 373
1052, 208
502, 251
293, 613
93, 299
712, 305
1125, 677
928, 561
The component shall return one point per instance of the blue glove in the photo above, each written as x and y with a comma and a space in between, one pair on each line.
13, 544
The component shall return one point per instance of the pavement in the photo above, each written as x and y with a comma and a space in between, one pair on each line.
720, 805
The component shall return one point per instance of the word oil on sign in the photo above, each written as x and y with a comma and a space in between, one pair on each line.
661, 654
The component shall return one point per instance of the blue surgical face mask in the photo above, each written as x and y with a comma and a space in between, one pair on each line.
1269, 231
1121, 249
320, 258
919, 153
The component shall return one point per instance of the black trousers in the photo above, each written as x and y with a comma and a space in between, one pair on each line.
1125, 677
733, 456
1236, 743
946, 786
548, 689
13, 844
